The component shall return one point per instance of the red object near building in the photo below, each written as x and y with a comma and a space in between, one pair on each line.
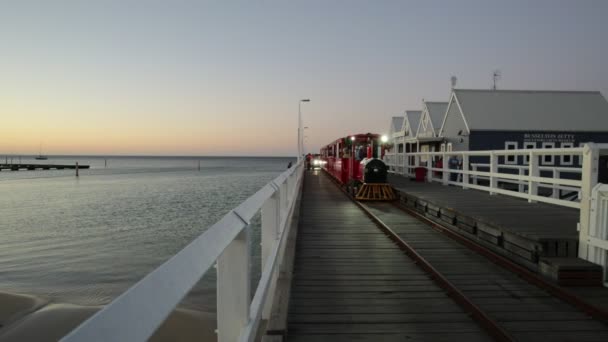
342, 157
420, 174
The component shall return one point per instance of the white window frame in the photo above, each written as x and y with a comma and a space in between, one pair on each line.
546, 145
507, 156
449, 147
442, 147
528, 145
562, 161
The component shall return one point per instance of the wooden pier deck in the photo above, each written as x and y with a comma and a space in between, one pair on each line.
520, 230
351, 282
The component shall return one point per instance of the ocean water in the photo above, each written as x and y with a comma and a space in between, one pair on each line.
85, 240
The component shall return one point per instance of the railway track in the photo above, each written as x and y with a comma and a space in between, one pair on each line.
508, 301
352, 283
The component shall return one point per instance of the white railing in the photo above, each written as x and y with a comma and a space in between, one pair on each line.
528, 178
136, 314
394, 161
593, 223
389, 160
597, 239
554, 171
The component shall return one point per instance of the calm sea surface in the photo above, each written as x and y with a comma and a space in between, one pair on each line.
86, 240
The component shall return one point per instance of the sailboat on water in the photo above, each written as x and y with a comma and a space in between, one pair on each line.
40, 156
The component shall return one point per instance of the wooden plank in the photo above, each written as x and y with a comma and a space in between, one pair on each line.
381, 318
386, 328
428, 336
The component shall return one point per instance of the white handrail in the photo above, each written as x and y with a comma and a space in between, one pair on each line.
137, 313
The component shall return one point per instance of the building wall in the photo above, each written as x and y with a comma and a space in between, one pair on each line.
496, 140
454, 124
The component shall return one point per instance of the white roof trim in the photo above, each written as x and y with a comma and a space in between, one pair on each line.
445, 116
466, 124
426, 112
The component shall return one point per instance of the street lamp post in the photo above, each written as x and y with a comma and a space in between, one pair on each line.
300, 133
304, 136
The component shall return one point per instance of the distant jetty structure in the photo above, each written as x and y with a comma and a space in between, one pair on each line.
32, 167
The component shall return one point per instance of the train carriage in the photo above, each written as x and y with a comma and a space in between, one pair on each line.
355, 162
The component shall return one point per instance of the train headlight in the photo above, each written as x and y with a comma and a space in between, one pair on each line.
384, 138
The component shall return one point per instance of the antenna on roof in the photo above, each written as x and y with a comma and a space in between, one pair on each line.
496, 76
453, 80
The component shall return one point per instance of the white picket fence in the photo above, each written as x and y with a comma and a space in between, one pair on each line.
136, 314
528, 178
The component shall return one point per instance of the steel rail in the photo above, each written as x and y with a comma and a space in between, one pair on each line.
488, 323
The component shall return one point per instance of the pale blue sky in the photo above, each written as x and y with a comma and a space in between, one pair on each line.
224, 78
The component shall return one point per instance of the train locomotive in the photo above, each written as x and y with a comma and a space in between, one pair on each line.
355, 162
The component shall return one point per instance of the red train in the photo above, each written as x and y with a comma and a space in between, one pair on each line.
356, 158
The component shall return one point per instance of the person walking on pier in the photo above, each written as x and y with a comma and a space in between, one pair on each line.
453, 164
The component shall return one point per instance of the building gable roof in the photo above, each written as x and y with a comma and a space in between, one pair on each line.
436, 112
397, 124
533, 110
413, 119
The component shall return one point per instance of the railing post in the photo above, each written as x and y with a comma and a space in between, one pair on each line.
465, 171
589, 176
429, 166
283, 190
555, 191
444, 174
270, 236
521, 186
533, 172
233, 288
493, 171
475, 178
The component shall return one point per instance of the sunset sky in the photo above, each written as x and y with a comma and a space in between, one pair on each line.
212, 78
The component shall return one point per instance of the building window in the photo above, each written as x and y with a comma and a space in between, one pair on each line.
424, 148
400, 148
442, 147
567, 159
449, 147
510, 158
528, 146
548, 159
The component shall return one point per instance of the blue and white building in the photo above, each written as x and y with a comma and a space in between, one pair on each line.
524, 119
